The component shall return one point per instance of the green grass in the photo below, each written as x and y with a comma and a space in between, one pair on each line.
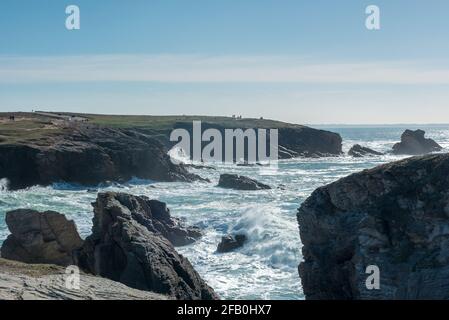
167, 122
33, 128
25, 129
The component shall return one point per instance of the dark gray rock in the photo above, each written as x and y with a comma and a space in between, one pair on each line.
234, 181
127, 247
358, 151
395, 216
89, 156
40, 237
231, 242
414, 143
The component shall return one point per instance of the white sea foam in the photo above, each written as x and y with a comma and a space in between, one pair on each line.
4, 184
266, 267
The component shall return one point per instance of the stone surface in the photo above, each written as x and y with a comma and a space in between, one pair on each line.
231, 242
89, 156
358, 151
395, 216
40, 237
414, 143
126, 248
234, 181
19, 281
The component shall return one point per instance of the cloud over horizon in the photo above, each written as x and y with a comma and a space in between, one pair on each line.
167, 68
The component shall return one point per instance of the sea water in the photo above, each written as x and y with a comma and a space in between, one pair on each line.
266, 267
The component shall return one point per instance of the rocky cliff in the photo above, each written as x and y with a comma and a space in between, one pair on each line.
395, 217
88, 155
294, 140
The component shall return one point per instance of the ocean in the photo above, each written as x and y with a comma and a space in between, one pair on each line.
266, 267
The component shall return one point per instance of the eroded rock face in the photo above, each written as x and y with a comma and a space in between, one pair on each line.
395, 216
89, 156
126, 247
414, 143
231, 242
40, 237
234, 181
358, 151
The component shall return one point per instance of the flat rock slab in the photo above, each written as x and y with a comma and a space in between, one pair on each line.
20, 281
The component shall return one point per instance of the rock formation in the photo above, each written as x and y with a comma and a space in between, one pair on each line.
127, 247
294, 140
357, 151
20, 281
234, 181
131, 243
89, 156
36, 237
308, 142
395, 217
231, 242
414, 143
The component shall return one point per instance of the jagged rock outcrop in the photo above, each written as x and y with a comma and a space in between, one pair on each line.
20, 281
231, 242
395, 216
414, 143
234, 181
126, 247
40, 237
358, 151
89, 156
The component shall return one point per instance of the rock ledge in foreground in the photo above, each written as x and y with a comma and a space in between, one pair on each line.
20, 281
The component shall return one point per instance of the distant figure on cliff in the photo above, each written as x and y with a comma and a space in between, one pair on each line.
12, 118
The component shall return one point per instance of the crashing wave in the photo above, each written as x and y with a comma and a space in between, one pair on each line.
4, 184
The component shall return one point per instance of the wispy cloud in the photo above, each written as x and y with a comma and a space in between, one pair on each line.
214, 69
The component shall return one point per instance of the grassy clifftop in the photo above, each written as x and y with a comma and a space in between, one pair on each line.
38, 127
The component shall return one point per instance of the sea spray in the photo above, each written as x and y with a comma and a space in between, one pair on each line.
4, 184
266, 229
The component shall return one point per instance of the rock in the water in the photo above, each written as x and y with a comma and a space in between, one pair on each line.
414, 143
234, 181
126, 246
358, 151
20, 281
40, 237
395, 217
231, 242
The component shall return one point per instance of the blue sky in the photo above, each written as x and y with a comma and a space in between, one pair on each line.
293, 60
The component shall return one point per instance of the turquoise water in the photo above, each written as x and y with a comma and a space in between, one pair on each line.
266, 268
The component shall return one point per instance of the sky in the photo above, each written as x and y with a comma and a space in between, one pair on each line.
310, 62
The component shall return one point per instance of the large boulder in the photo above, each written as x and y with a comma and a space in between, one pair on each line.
358, 151
127, 246
40, 237
234, 181
414, 143
395, 217
231, 242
